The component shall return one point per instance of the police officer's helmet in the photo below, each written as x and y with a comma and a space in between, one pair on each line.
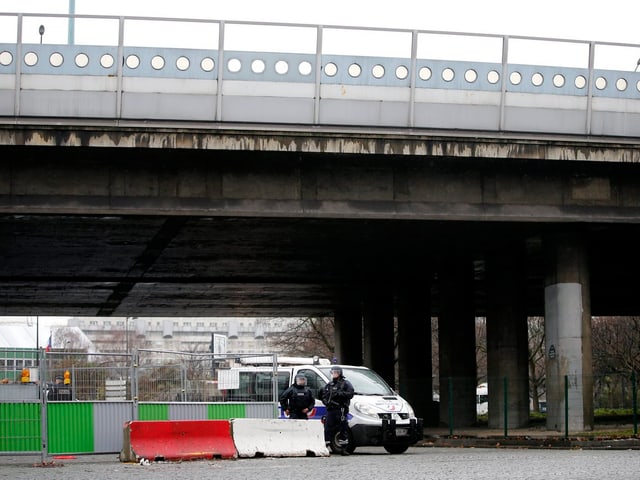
336, 369
301, 380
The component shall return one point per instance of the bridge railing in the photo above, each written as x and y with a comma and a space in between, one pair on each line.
139, 68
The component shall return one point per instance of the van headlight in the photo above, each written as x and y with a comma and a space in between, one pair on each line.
410, 410
366, 409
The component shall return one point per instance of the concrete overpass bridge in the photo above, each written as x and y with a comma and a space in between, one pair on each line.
219, 179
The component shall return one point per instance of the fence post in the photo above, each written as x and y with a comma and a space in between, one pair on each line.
44, 434
505, 384
634, 401
566, 406
133, 373
450, 406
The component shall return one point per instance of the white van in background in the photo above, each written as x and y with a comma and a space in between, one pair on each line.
482, 399
378, 416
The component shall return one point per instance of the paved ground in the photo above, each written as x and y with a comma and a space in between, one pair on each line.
526, 454
417, 463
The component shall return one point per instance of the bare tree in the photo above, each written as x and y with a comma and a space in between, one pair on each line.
616, 344
306, 337
481, 349
537, 372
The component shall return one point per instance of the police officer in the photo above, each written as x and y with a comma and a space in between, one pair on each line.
336, 395
297, 400
59, 391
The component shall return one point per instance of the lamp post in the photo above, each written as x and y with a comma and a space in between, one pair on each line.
41, 32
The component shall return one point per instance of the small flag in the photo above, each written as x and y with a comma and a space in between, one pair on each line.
48, 349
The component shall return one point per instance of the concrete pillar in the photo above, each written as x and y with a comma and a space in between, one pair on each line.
415, 380
348, 334
568, 334
457, 342
507, 338
378, 333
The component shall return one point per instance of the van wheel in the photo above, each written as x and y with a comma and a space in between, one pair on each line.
396, 448
335, 445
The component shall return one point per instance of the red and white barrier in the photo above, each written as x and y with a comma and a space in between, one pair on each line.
261, 437
204, 439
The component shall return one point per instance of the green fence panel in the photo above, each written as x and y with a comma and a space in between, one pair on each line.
70, 427
226, 411
155, 411
20, 427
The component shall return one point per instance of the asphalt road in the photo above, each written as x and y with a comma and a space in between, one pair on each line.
365, 463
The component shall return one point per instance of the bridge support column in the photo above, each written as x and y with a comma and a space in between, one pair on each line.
568, 335
414, 350
457, 342
378, 316
507, 339
348, 334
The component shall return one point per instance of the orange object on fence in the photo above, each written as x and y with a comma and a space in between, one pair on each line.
177, 440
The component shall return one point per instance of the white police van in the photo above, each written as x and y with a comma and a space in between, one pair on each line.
378, 416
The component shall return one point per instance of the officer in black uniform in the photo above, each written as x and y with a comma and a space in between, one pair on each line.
59, 391
336, 395
297, 400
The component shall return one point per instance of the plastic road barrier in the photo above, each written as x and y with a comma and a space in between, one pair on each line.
177, 440
261, 437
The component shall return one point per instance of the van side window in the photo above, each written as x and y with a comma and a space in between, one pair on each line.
314, 381
258, 387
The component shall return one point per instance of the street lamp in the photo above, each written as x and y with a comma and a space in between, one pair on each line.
41, 32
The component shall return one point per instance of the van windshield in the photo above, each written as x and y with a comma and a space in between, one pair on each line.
364, 381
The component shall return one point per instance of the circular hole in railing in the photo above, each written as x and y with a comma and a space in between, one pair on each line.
207, 64
133, 61
30, 59
282, 67
638, 85
601, 83
537, 79
258, 66
470, 75
6, 58
580, 81
56, 59
81, 60
515, 78
234, 65
182, 63
493, 77
106, 60
157, 62
424, 73
558, 80
304, 68
354, 70
621, 84
448, 74
402, 72
330, 69
377, 71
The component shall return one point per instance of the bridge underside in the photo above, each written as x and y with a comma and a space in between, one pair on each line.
266, 224
234, 266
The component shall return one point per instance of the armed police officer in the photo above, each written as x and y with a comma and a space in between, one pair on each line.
336, 395
298, 400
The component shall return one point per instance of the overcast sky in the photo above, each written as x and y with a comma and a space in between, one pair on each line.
611, 20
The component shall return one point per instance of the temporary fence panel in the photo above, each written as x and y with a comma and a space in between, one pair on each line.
20, 427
